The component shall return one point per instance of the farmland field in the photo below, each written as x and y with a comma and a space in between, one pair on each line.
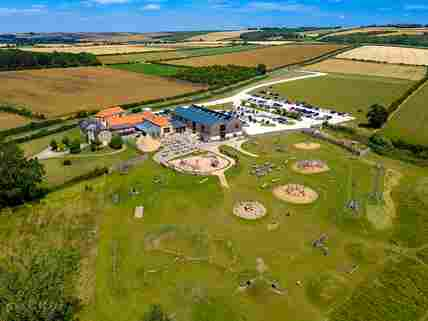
345, 93
218, 36
272, 57
393, 55
97, 50
389, 31
410, 122
157, 56
64, 91
8, 121
369, 68
149, 69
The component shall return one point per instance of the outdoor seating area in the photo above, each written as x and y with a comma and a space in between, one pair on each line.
176, 146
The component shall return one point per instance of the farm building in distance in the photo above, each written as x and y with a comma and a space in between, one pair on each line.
211, 125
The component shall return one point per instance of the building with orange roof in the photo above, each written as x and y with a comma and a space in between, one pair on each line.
105, 115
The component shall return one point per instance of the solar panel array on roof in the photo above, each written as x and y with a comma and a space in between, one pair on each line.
202, 115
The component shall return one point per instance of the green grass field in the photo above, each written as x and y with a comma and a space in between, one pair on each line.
410, 121
190, 253
345, 93
149, 69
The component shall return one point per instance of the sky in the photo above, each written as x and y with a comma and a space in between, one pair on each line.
177, 15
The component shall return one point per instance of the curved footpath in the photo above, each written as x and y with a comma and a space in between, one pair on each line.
243, 94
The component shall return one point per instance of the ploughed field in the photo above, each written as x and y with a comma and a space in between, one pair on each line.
392, 55
272, 57
369, 68
345, 93
8, 121
409, 123
55, 92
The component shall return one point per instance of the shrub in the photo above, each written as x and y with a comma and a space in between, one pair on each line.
66, 141
67, 162
75, 146
116, 142
54, 145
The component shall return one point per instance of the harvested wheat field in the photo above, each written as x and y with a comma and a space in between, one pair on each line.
218, 36
97, 50
389, 31
8, 121
272, 57
368, 68
60, 91
392, 55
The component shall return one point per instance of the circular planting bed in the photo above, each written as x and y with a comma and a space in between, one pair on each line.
310, 167
296, 194
249, 210
204, 164
307, 146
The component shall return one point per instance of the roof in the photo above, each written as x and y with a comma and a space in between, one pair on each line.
109, 112
177, 124
202, 115
128, 120
148, 128
155, 119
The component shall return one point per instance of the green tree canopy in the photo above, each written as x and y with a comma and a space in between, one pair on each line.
19, 178
377, 116
116, 142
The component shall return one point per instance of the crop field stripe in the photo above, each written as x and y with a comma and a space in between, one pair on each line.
273, 57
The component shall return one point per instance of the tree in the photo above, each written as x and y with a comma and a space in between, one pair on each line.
19, 178
156, 313
261, 69
54, 145
377, 116
66, 141
116, 142
75, 146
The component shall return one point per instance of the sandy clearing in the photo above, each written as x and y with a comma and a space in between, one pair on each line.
345, 66
393, 55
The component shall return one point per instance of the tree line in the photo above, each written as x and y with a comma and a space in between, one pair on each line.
219, 76
13, 59
374, 38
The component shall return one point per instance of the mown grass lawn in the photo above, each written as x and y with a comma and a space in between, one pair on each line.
345, 93
410, 121
128, 264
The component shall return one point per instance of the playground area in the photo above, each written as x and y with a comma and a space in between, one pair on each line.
310, 167
295, 194
204, 164
249, 210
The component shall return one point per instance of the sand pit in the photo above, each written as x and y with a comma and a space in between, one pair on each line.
307, 146
295, 194
148, 145
249, 210
310, 167
205, 164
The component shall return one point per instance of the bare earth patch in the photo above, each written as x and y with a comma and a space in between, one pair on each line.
382, 216
310, 167
295, 194
307, 146
249, 210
